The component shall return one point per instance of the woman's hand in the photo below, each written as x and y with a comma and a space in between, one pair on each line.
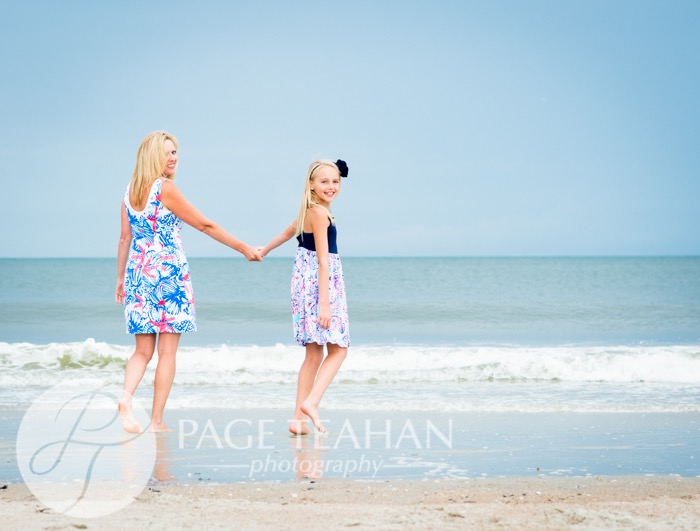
324, 316
119, 292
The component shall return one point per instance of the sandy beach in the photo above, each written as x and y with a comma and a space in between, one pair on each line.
600, 502
233, 469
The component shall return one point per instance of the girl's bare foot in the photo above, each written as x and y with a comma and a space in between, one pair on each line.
159, 427
312, 413
129, 422
299, 427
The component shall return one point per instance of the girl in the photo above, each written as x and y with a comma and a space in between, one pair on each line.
153, 279
319, 310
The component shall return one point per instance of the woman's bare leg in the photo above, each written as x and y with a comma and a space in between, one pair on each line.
165, 374
135, 369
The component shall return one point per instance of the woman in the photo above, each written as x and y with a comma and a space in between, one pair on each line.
153, 279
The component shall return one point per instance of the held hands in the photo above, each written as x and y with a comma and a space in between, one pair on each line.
252, 254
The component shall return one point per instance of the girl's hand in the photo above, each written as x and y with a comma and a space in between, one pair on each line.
324, 316
119, 292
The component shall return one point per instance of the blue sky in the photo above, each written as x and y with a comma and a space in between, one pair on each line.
470, 128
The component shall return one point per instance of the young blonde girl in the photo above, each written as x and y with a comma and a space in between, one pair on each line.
319, 308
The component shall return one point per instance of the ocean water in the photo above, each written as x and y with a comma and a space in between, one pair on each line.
429, 334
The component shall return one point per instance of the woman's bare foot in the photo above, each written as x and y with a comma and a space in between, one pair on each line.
159, 427
312, 412
129, 422
299, 427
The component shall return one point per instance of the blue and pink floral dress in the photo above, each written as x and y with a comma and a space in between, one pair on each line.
159, 297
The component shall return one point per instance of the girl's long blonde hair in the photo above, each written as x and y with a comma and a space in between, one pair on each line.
151, 160
309, 198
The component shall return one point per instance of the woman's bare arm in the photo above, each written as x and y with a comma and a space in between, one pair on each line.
176, 202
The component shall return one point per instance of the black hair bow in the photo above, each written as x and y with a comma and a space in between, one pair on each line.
342, 167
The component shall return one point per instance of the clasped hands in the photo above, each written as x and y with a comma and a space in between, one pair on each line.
253, 254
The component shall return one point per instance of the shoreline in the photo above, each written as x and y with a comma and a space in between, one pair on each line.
253, 445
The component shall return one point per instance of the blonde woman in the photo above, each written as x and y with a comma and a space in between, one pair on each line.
319, 308
153, 279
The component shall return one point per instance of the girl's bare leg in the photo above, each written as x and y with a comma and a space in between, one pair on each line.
305, 382
163, 382
326, 373
135, 369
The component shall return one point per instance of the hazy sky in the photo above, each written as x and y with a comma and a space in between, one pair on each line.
523, 127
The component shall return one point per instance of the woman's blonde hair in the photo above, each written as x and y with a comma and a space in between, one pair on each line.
151, 160
310, 199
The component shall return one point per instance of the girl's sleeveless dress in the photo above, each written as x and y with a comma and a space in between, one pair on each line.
305, 294
159, 295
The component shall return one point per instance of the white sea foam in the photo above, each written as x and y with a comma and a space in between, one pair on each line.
460, 378
23, 363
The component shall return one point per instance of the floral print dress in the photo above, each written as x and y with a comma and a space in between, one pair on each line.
159, 297
305, 296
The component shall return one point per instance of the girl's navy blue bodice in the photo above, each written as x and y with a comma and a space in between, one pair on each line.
306, 240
